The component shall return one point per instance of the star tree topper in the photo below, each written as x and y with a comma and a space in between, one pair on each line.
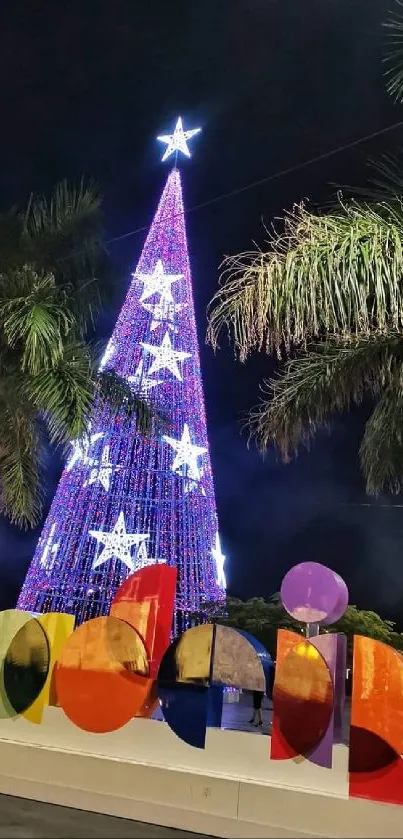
178, 141
117, 544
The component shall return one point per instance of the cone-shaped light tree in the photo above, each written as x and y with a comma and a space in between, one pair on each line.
125, 500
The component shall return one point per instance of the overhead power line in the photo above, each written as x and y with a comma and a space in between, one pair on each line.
274, 176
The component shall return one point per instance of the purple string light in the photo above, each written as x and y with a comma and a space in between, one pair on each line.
124, 501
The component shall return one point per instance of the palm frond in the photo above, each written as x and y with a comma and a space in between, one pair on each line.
21, 493
36, 322
64, 393
394, 58
22, 282
385, 185
117, 393
338, 274
327, 380
381, 450
387, 179
85, 299
65, 227
64, 235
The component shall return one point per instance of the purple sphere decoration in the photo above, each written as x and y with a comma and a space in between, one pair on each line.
313, 593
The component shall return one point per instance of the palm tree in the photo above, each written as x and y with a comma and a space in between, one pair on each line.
49, 297
394, 58
327, 297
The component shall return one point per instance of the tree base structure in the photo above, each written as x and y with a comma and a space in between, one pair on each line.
143, 772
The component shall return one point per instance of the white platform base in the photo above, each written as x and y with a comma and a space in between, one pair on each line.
143, 772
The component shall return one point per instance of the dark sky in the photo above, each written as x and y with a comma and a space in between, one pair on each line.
86, 86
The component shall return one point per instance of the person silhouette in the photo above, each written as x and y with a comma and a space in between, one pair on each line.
257, 709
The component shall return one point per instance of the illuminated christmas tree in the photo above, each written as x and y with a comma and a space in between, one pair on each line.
125, 501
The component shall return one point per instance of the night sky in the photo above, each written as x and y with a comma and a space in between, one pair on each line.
86, 87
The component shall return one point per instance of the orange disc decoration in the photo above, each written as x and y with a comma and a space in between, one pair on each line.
302, 697
102, 675
376, 733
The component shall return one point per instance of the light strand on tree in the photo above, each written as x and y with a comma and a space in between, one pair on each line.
123, 498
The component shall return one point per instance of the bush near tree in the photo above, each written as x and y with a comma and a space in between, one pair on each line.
263, 618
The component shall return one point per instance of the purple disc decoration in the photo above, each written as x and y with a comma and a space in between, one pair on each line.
312, 593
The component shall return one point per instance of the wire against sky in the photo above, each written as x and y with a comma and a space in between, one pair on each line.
362, 504
279, 174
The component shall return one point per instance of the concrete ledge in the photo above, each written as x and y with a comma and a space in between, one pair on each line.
144, 772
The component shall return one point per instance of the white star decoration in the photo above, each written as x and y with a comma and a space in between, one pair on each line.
178, 140
186, 454
140, 381
166, 357
102, 471
50, 550
163, 312
109, 352
117, 544
219, 560
81, 449
157, 283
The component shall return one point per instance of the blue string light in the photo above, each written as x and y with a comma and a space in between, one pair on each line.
123, 500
